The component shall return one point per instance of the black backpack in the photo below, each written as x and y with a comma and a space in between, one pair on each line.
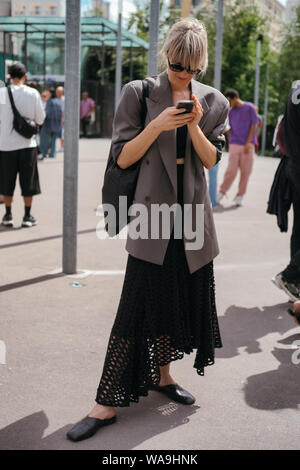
24, 126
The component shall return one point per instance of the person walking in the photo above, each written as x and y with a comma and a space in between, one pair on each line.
289, 278
243, 120
87, 106
61, 98
167, 306
19, 154
52, 125
45, 96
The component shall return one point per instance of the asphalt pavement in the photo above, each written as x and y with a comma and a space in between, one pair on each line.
54, 328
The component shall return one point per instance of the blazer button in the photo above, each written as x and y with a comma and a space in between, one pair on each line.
147, 161
147, 198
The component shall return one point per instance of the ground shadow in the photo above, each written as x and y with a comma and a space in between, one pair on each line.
220, 208
241, 327
244, 327
37, 240
145, 420
279, 388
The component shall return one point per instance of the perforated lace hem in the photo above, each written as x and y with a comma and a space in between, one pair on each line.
131, 369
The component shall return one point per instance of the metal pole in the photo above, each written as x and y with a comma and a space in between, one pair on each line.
219, 45
131, 62
264, 130
258, 49
153, 37
25, 47
144, 61
44, 57
4, 56
102, 57
72, 109
118, 79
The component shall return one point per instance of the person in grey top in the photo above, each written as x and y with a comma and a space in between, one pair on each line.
167, 306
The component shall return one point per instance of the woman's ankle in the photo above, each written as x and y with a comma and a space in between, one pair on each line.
166, 380
102, 411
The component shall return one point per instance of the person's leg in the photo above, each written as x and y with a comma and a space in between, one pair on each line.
292, 271
213, 180
9, 170
165, 377
246, 165
232, 168
44, 142
29, 182
84, 126
53, 145
62, 140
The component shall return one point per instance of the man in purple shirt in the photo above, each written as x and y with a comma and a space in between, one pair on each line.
243, 121
87, 105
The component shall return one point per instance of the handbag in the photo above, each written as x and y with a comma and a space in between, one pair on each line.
121, 182
24, 126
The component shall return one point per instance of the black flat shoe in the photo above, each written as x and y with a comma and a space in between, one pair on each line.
176, 393
87, 427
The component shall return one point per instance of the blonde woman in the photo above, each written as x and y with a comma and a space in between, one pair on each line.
167, 306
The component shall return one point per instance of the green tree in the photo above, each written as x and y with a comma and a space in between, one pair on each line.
288, 65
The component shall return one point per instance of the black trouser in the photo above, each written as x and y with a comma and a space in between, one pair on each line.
292, 271
85, 124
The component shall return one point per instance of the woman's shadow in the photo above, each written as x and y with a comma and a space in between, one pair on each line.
241, 327
133, 427
244, 327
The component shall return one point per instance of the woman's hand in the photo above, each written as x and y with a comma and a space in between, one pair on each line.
171, 118
197, 113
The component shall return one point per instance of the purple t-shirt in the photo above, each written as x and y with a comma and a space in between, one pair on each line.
240, 120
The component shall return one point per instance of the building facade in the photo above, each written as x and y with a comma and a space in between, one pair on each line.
291, 6
38, 8
272, 10
186, 6
101, 8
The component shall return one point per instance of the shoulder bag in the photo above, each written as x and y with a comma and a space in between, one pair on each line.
121, 182
24, 126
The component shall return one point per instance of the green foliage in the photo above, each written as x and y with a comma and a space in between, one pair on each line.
242, 25
288, 66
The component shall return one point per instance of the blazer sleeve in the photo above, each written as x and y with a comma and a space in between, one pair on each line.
127, 120
216, 135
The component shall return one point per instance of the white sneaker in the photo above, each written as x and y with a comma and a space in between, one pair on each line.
220, 197
40, 156
239, 200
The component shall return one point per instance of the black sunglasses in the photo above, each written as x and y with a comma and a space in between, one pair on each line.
179, 68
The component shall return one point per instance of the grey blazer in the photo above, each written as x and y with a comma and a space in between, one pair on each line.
157, 181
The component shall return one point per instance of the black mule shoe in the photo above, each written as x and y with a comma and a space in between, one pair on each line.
176, 393
87, 427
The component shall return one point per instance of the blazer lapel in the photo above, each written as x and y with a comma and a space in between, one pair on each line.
189, 166
160, 97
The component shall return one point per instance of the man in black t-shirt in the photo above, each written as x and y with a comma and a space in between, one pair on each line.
289, 279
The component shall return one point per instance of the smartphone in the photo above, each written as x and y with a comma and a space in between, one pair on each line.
187, 104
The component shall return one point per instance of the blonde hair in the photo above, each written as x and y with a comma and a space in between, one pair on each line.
186, 43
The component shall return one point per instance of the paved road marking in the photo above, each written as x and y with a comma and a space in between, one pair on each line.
82, 273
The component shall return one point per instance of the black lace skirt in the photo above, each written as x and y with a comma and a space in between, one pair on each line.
164, 312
